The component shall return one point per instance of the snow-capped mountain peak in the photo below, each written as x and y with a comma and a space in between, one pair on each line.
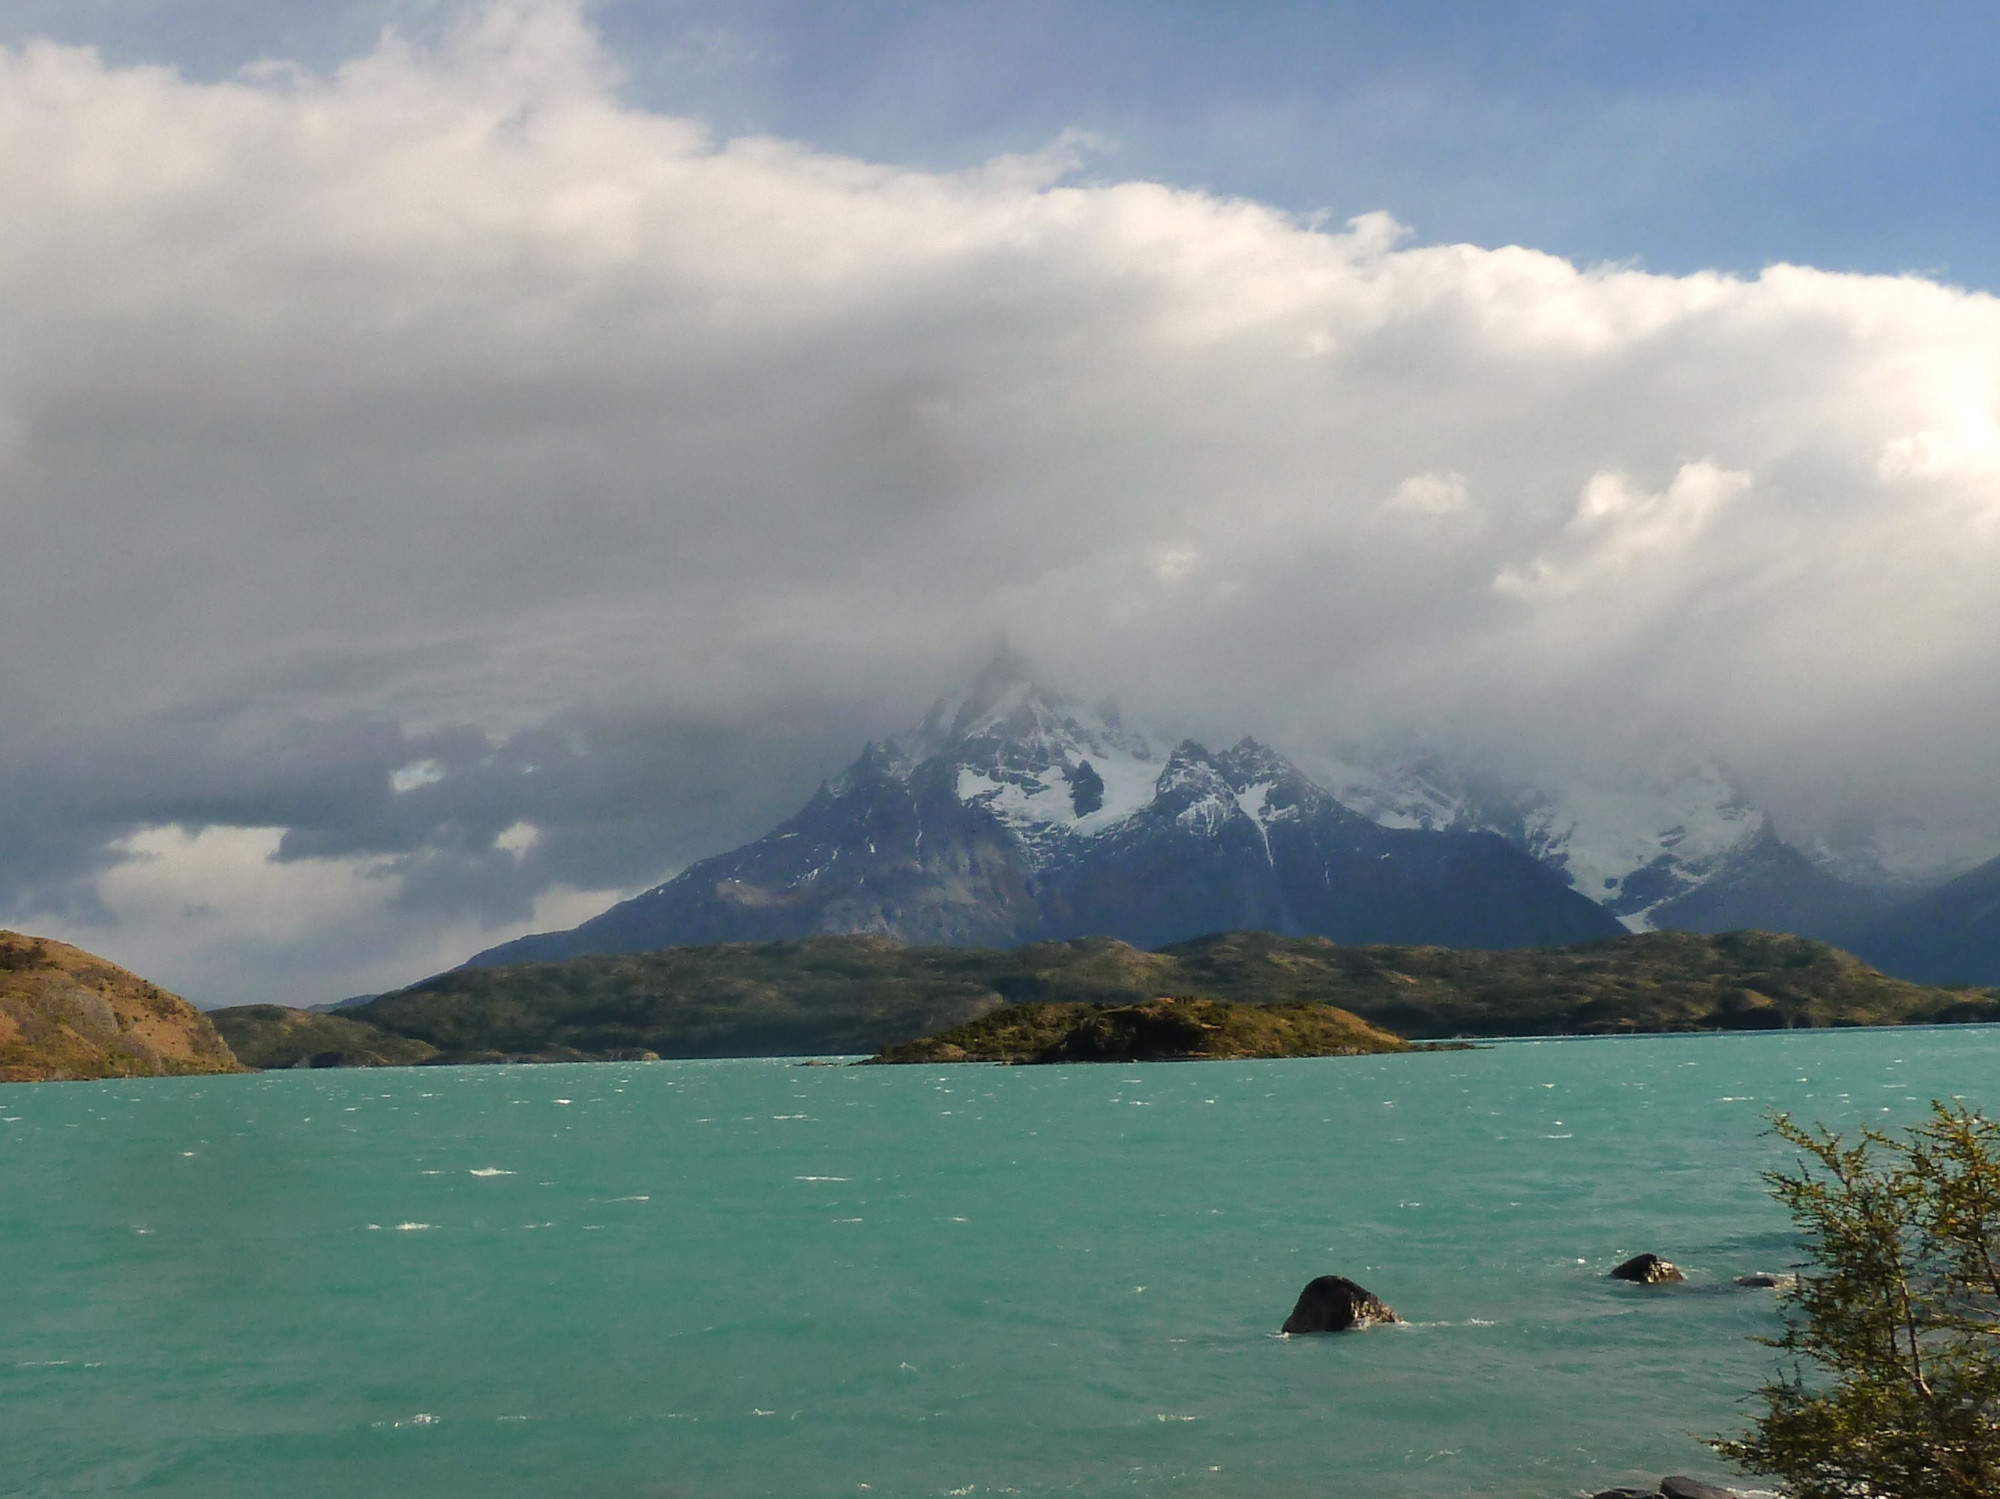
1051, 770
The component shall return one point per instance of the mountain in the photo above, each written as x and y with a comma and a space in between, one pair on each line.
1677, 846
67, 1015
1014, 816
1903, 854
857, 994
1950, 935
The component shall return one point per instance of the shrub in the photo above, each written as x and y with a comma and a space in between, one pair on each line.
1893, 1329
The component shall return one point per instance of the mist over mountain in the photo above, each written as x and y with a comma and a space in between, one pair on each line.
1012, 815
1675, 844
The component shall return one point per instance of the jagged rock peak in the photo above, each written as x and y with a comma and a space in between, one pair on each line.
1005, 705
1250, 762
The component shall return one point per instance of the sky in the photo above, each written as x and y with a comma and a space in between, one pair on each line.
460, 463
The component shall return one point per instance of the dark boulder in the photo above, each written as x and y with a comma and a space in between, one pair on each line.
1764, 1280
1677, 1487
1648, 1270
1333, 1303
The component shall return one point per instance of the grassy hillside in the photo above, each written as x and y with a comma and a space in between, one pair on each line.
267, 1036
814, 996
1656, 981
859, 994
1160, 1030
67, 1015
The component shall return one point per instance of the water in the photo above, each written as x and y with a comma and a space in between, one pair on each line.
733, 1279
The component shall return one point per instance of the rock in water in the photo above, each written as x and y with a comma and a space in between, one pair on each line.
1764, 1280
1333, 1303
1648, 1270
1677, 1487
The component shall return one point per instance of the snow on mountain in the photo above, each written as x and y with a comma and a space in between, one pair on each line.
1633, 847
1903, 854
1053, 772
1015, 815
1059, 775
1673, 842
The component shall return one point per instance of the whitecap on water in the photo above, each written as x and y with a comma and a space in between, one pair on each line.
488, 1171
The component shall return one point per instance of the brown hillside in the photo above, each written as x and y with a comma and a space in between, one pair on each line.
67, 1015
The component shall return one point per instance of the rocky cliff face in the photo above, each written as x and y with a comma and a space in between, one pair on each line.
67, 1015
1013, 816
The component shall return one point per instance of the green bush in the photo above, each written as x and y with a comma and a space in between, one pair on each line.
1893, 1330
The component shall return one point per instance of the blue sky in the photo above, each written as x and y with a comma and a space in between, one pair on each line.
1684, 135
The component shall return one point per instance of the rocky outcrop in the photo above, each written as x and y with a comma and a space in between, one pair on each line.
67, 1015
1764, 1280
1648, 1270
1333, 1303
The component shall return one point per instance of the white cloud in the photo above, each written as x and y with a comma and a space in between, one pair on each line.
1619, 529
214, 914
1432, 494
452, 395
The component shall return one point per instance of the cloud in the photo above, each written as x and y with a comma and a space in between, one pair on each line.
1619, 530
399, 458
1432, 494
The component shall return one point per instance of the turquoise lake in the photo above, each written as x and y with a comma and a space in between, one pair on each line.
746, 1278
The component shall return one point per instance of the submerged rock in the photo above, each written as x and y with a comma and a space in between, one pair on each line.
1333, 1303
1764, 1280
1626, 1493
1648, 1270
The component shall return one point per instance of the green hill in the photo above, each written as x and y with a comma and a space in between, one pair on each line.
1655, 981
847, 995
267, 1036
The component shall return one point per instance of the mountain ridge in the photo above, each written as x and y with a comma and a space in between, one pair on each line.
1948, 935
1011, 816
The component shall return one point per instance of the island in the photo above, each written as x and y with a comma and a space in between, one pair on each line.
1174, 1029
